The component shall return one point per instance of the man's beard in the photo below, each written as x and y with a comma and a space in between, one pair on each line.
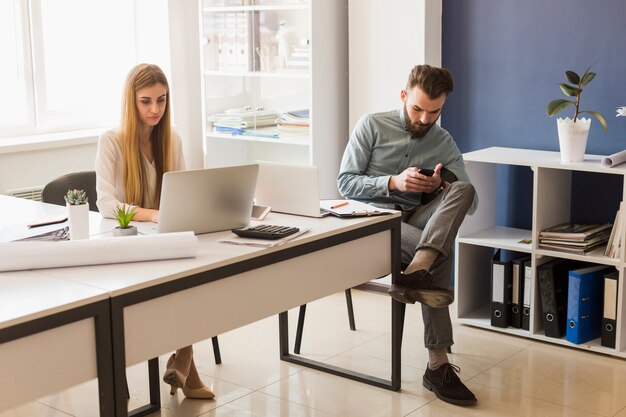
417, 129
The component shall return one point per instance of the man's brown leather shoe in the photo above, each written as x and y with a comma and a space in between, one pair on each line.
418, 287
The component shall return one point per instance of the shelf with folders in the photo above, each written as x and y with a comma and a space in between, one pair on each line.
277, 56
543, 193
244, 40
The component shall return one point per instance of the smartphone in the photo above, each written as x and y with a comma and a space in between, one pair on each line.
427, 172
259, 212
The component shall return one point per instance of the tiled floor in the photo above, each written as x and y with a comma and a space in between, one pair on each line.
510, 376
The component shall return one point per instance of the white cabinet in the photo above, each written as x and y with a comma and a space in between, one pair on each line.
554, 187
262, 58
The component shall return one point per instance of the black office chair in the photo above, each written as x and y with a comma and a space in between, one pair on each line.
54, 191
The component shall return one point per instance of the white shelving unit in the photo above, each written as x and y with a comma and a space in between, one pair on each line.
480, 235
242, 68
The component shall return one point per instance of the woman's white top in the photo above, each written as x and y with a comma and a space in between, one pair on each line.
110, 168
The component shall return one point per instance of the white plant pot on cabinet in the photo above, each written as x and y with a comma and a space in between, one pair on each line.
78, 216
573, 138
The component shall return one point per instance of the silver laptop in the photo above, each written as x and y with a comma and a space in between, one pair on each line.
207, 200
292, 189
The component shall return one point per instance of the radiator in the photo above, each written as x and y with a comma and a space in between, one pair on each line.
32, 193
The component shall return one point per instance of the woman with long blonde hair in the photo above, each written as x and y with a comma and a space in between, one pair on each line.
130, 163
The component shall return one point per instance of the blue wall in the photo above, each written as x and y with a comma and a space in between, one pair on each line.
507, 58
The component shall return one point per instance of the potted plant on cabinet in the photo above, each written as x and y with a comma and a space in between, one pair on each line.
78, 214
124, 215
573, 133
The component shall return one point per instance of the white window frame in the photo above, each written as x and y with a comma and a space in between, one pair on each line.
40, 121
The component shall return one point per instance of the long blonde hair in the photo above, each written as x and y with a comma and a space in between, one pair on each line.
134, 175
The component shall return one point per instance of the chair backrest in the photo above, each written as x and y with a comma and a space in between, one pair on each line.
54, 192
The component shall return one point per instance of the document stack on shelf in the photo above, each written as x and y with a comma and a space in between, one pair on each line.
244, 121
294, 123
575, 238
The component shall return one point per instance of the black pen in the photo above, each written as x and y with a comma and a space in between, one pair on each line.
46, 223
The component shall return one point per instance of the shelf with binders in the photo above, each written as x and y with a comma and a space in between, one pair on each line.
540, 192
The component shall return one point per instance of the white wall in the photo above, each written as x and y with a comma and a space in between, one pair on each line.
37, 167
387, 38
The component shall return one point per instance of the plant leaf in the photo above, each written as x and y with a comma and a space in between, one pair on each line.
558, 105
587, 78
568, 90
599, 117
572, 77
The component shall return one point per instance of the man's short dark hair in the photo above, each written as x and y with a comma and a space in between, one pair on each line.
431, 80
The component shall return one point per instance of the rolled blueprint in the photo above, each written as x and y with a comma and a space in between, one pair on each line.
615, 159
16, 256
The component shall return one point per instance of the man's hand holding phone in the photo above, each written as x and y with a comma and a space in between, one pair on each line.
416, 180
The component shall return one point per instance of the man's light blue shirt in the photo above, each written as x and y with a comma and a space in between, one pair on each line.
380, 146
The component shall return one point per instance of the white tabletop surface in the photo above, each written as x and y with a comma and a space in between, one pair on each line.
127, 277
28, 295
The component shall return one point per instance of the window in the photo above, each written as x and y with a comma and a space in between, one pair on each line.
64, 61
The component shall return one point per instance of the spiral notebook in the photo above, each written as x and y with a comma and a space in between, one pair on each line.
352, 208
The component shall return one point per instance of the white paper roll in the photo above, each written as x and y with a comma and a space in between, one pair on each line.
16, 256
615, 159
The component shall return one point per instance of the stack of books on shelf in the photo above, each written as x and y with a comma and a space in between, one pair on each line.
575, 238
244, 118
615, 240
294, 123
244, 121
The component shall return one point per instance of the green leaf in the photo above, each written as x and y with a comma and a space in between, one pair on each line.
599, 117
572, 77
587, 78
568, 90
558, 105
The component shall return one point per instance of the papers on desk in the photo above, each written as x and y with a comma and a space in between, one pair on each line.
352, 208
262, 243
15, 256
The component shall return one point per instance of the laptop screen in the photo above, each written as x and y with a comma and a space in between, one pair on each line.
207, 200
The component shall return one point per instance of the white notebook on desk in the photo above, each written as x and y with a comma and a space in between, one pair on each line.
352, 208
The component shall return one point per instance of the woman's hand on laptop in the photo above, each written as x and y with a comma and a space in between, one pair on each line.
147, 215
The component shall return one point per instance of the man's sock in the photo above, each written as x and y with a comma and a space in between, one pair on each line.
423, 259
436, 358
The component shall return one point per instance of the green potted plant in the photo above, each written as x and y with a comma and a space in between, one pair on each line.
573, 133
124, 215
77, 213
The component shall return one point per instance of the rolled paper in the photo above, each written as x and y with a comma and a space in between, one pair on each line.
15, 256
615, 159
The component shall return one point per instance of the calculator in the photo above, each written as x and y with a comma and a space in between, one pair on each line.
266, 231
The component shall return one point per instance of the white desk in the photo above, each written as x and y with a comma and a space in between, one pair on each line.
240, 285
54, 334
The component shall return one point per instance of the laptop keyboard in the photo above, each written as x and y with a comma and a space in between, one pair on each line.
266, 231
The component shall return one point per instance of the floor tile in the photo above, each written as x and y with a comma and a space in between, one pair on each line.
496, 403
343, 397
581, 380
33, 409
259, 404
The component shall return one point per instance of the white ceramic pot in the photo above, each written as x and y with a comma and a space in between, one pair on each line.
78, 216
128, 231
573, 138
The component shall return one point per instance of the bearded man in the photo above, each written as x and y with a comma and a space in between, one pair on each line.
402, 159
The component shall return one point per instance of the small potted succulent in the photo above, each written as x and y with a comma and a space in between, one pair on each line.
78, 214
124, 215
573, 133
